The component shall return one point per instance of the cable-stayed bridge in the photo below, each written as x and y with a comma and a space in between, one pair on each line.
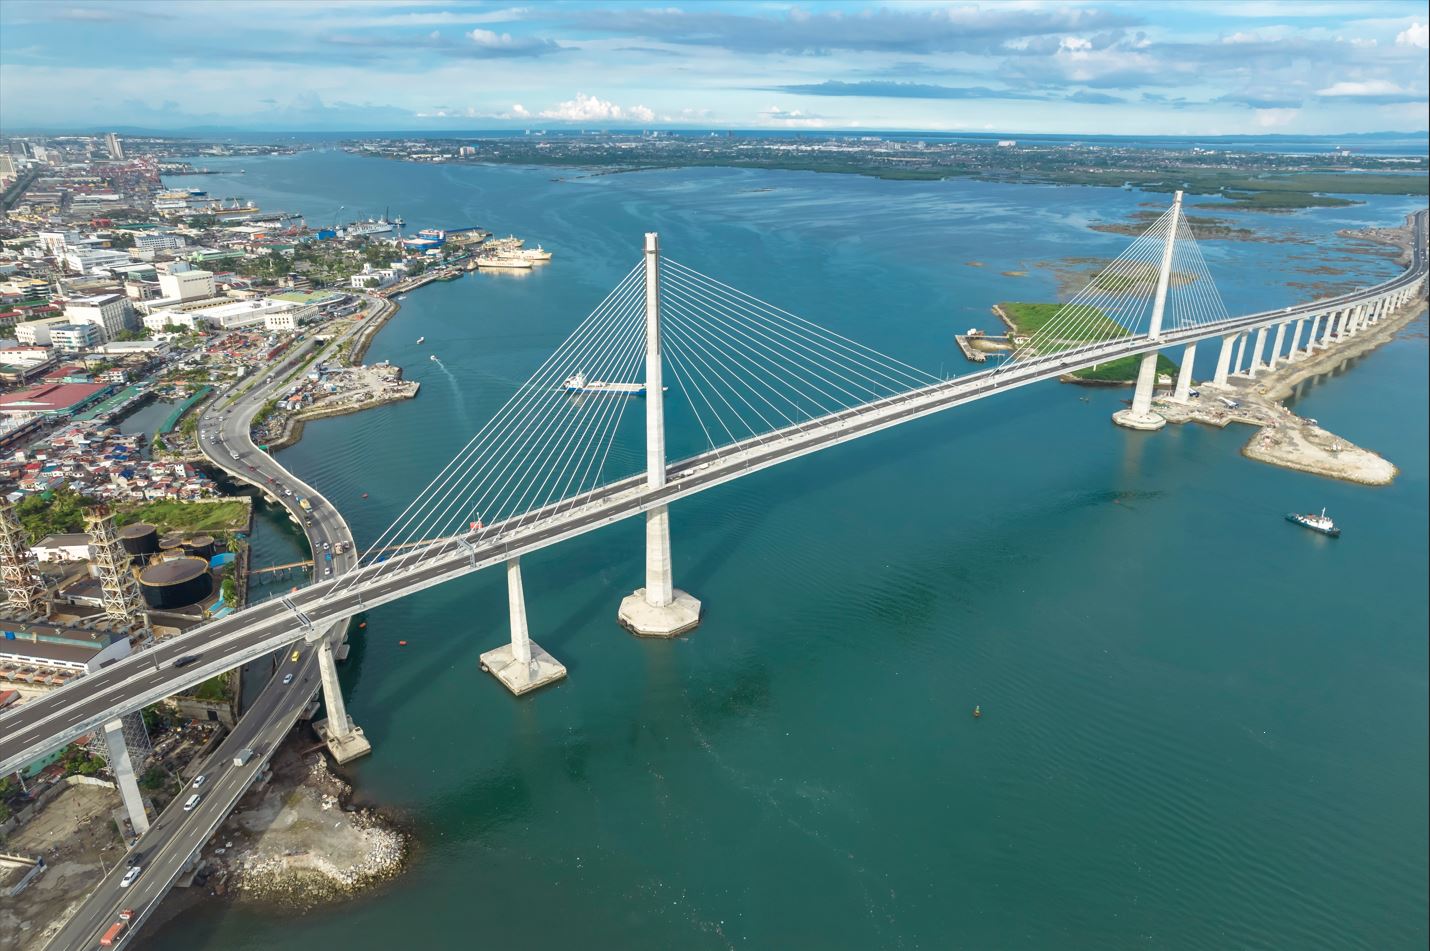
581, 444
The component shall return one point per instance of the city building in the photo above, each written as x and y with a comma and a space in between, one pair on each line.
93, 260
186, 285
116, 148
36, 333
112, 313
52, 399
71, 546
163, 241
76, 336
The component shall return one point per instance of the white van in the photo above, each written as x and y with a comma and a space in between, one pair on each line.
191, 802
244, 755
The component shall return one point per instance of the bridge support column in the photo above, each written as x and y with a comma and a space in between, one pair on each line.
521, 666
1329, 334
1276, 345
1223, 358
123, 769
1140, 415
659, 609
1240, 353
1293, 351
1256, 349
1183, 390
1311, 336
344, 738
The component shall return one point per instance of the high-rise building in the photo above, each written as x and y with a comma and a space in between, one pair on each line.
116, 149
112, 313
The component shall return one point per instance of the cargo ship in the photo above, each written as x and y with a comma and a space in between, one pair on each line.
579, 383
1317, 523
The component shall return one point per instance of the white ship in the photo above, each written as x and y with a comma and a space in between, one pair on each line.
537, 253
1317, 523
504, 262
361, 228
579, 383
419, 340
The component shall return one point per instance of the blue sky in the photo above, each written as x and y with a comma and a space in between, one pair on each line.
1198, 67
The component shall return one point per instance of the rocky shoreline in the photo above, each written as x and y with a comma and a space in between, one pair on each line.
297, 842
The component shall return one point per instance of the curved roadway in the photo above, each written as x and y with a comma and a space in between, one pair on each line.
163, 852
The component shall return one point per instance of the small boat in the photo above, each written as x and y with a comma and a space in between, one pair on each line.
432, 357
364, 495
977, 711
1317, 523
420, 340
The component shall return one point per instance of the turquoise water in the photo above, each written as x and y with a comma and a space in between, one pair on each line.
1202, 727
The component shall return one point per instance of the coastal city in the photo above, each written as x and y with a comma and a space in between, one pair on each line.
959, 469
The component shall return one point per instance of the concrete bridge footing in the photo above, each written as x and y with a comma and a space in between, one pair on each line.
659, 609
522, 665
344, 738
1140, 415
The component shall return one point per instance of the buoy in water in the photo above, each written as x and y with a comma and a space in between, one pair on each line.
977, 711
362, 624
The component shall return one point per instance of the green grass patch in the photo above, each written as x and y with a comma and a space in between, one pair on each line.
215, 689
1123, 370
1280, 200
1087, 323
170, 515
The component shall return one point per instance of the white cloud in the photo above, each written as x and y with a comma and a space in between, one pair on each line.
519, 111
586, 108
792, 118
1271, 118
1074, 44
1417, 34
1371, 87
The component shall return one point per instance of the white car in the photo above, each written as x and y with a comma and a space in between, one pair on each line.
130, 876
199, 780
287, 679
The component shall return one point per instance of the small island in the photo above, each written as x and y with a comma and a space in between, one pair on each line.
1026, 320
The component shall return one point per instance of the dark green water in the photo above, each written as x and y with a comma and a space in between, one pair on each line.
1202, 727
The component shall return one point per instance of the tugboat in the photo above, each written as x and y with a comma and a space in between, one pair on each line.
1317, 523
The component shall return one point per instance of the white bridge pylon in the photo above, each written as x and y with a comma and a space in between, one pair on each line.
740, 369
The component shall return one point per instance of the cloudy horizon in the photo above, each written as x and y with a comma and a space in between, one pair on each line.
1175, 68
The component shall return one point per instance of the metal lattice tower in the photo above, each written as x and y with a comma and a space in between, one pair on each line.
23, 589
122, 601
136, 740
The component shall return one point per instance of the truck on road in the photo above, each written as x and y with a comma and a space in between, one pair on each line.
244, 755
303, 504
111, 937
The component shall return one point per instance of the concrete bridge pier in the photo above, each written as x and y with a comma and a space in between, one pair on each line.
659, 609
1240, 353
1223, 359
1183, 390
123, 769
344, 738
1275, 356
1140, 415
1311, 336
1329, 334
1256, 348
521, 666
1294, 351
